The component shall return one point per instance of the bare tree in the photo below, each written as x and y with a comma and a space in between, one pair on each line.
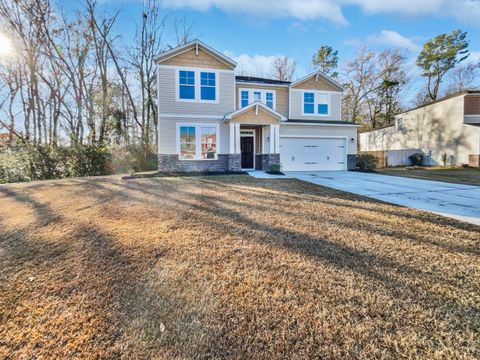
463, 77
284, 68
373, 82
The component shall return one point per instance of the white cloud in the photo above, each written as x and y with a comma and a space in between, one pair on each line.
256, 65
393, 39
298, 9
331, 10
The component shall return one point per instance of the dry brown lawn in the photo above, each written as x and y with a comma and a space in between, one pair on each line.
230, 267
456, 174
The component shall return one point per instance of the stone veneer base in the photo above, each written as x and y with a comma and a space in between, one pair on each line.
351, 161
229, 162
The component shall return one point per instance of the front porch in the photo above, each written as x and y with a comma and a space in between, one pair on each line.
254, 138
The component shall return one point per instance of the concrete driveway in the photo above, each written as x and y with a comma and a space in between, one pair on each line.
457, 201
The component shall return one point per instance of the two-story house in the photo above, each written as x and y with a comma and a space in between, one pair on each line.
211, 120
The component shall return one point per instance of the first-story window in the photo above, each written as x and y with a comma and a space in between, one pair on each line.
187, 143
198, 142
308, 103
209, 142
244, 98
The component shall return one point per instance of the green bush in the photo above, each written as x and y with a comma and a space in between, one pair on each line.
416, 159
366, 162
45, 162
275, 168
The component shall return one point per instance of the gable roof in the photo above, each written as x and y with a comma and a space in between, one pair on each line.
321, 75
195, 44
256, 104
253, 79
458, 93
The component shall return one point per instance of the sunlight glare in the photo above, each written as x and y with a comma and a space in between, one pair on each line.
6, 47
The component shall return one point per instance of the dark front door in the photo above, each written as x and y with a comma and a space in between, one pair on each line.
246, 147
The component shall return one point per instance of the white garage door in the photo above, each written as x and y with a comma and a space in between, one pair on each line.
310, 154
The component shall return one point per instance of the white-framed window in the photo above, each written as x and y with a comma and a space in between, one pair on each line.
244, 98
399, 124
315, 103
197, 85
197, 141
248, 96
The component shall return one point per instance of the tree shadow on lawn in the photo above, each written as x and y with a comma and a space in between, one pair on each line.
125, 287
75, 285
214, 212
332, 198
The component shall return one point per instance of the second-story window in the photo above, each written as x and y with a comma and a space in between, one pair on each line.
207, 86
269, 98
322, 103
244, 98
316, 103
265, 96
197, 86
187, 85
308, 103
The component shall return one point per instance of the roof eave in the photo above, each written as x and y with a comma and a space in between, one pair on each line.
172, 52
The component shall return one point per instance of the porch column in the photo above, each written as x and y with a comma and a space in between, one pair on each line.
232, 138
237, 138
272, 139
277, 139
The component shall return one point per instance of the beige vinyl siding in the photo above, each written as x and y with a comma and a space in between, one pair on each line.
437, 129
169, 105
322, 130
313, 84
296, 104
203, 60
168, 133
255, 117
281, 94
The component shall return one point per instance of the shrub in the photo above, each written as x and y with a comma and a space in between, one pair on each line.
366, 162
416, 159
444, 159
275, 168
44, 162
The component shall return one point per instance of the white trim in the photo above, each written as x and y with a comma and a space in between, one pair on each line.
197, 86
191, 116
183, 48
307, 90
261, 84
316, 103
271, 139
158, 111
198, 140
277, 139
289, 102
251, 133
256, 104
194, 68
317, 124
231, 130
345, 159
319, 74
237, 138
263, 96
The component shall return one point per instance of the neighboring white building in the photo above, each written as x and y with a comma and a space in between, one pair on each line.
211, 120
448, 126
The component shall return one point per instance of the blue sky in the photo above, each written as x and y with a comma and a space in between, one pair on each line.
255, 31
